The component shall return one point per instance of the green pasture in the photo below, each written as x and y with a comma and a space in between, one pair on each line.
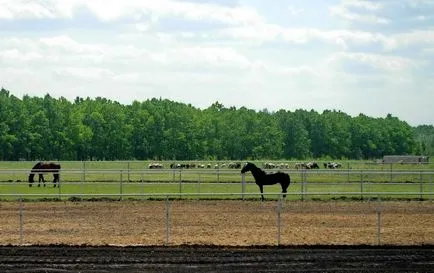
147, 190
140, 165
114, 179
137, 171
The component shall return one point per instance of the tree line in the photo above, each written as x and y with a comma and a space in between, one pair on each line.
46, 128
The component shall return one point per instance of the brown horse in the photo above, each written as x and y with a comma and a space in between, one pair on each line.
40, 168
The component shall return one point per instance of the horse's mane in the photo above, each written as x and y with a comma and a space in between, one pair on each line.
257, 170
37, 165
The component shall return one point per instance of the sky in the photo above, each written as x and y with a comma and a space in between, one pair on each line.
374, 57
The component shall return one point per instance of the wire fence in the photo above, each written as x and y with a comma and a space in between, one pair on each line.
305, 184
217, 207
179, 220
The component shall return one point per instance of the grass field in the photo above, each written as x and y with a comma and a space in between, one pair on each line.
116, 178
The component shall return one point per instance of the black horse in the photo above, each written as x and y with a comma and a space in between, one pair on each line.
262, 178
40, 168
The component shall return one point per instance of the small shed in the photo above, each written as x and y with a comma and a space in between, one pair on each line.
406, 159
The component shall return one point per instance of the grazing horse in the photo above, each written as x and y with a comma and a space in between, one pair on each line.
262, 178
40, 168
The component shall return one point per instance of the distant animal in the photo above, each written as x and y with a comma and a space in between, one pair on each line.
300, 165
269, 165
155, 166
45, 167
234, 165
284, 165
332, 165
182, 165
312, 165
262, 178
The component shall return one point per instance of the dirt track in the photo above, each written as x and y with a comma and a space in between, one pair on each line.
210, 222
211, 259
216, 236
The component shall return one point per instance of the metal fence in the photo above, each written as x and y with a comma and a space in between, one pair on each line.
305, 184
178, 220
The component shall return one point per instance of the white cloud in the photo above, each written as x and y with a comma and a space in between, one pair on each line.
353, 16
24, 9
89, 73
377, 61
418, 3
415, 37
287, 56
427, 51
369, 5
68, 44
344, 10
341, 38
14, 55
294, 11
142, 27
109, 10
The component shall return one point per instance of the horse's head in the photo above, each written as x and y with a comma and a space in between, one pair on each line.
247, 167
31, 179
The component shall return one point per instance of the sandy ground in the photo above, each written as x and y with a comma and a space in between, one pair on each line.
208, 222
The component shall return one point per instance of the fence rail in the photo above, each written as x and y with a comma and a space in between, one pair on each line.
305, 184
174, 221
181, 215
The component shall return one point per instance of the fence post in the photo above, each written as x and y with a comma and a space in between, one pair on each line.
361, 185
198, 185
59, 191
83, 177
279, 207
243, 185
120, 187
173, 174
431, 188
21, 221
180, 183
378, 211
303, 183
391, 172
420, 185
142, 184
167, 221
128, 169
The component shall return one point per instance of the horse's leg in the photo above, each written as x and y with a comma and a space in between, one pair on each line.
56, 179
40, 178
285, 184
261, 188
284, 188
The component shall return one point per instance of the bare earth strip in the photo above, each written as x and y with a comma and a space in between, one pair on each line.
224, 223
87, 259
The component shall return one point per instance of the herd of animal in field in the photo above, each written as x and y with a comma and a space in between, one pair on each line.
238, 165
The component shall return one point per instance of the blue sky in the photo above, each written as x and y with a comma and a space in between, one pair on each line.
357, 56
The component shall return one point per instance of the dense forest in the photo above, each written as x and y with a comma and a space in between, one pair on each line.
46, 128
